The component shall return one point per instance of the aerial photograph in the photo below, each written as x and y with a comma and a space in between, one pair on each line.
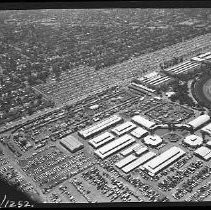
105, 105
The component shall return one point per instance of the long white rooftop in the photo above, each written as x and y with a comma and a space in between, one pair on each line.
143, 121
197, 122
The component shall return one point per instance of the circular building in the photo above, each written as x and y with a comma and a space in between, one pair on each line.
193, 141
153, 140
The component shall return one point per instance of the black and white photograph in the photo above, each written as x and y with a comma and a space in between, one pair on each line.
105, 104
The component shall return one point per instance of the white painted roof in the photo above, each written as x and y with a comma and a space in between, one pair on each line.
199, 121
207, 128
143, 121
153, 140
193, 140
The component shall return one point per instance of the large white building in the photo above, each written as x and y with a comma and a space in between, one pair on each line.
203, 152
114, 146
100, 126
143, 122
130, 149
162, 161
71, 143
199, 121
138, 162
206, 130
123, 128
125, 161
139, 132
101, 139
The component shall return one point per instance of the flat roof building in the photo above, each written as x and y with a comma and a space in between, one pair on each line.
143, 121
203, 153
206, 129
129, 150
140, 150
125, 161
101, 139
208, 144
141, 160
114, 146
100, 126
199, 121
139, 132
71, 143
162, 161
123, 128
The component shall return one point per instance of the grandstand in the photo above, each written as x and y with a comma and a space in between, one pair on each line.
183, 68
141, 88
202, 57
154, 80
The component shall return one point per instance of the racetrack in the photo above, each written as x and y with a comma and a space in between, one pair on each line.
202, 91
207, 89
